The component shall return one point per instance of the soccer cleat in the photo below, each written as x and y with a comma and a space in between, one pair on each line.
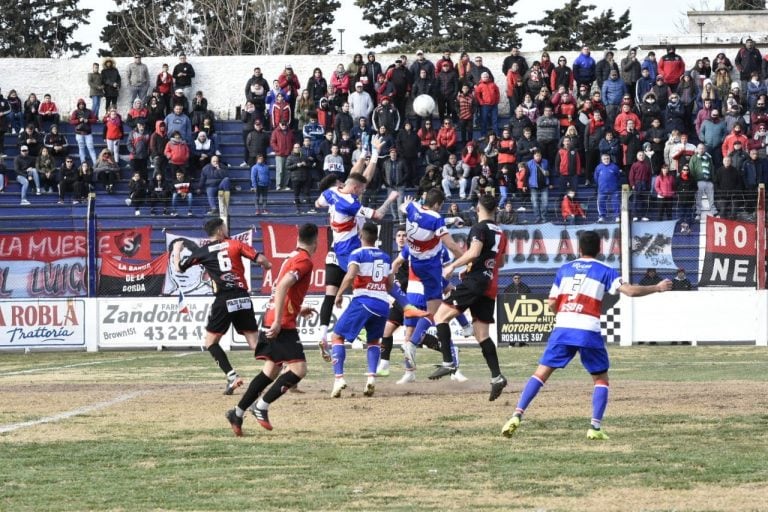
497, 386
510, 426
370, 386
468, 330
383, 369
325, 350
407, 378
411, 311
358, 344
441, 371
233, 383
457, 376
235, 422
597, 435
409, 352
338, 385
262, 416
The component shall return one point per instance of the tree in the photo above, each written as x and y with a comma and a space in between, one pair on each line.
41, 28
150, 28
744, 5
434, 25
567, 28
562, 28
603, 31
220, 27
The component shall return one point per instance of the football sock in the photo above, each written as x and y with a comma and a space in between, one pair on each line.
398, 294
462, 319
386, 347
491, 358
220, 357
430, 341
257, 385
455, 355
374, 354
326, 310
444, 335
530, 390
599, 402
421, 328
338, 355
282, 384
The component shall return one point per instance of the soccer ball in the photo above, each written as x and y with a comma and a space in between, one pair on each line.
424, 105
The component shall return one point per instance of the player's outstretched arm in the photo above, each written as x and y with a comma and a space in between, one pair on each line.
636, 290
370, 169
455, 249
263, 261
475, 248
346, 283
406, 201
381, 211
397, 263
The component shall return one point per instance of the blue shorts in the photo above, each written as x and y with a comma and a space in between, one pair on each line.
557, 355
372, 317
430, 272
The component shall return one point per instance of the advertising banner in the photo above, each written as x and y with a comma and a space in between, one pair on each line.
730, 254
44, 323
279, 242
121, 279
48, 263
195, 281
152, 322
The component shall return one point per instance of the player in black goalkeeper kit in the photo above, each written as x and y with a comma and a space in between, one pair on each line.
222, 259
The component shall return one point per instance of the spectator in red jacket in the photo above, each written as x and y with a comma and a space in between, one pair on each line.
48, 110
571, 209
281, 142
736, 134
487, 95
671, 67
446, 136
640, 183
289, 83
164, 86
626, 114
177, 153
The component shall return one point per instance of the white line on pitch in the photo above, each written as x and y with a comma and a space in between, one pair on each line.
185, 354
64, 367
69, 414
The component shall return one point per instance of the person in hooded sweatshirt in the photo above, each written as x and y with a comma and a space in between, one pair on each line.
83, 119
157, 142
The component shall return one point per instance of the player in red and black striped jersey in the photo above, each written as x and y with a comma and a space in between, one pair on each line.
279, 344
487, 246
223, 260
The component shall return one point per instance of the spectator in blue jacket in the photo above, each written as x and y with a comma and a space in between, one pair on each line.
643, 86
178, 121
608, 180
613, 93
611, 146
584, 68
315, 132
651, 65
539, 183
260, 183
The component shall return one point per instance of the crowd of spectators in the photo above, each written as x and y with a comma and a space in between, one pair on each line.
686, 139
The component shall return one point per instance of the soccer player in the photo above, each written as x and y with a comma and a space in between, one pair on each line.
395, 319
346, 216
576, 298
370, 278
279, 341
477, 291
222, 258
417, 329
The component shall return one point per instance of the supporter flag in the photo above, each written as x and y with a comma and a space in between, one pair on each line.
279, 242
730, 256
120, 279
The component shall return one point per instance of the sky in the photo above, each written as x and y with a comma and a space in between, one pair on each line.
655, 17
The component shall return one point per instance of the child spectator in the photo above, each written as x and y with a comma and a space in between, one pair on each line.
113, 130
49, 112
571, 209
182, 191
46, 168
159, 194
106, 171
137, 193
260, 184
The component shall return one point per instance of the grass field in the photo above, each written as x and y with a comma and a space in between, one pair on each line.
146, 431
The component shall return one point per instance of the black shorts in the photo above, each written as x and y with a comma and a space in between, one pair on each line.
396, 314
232, 309
334, 275
470, 293
286, 348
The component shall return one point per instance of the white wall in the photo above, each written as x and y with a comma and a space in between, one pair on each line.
222, 79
